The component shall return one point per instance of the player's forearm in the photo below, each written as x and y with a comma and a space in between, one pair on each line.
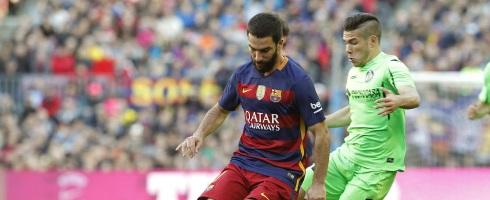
409, 101
340, 118
408, 98
212, 120
482, 109
321, 153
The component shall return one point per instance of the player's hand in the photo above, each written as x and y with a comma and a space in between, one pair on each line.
388, 103
478, 110
190, 146
316, 192
473, 112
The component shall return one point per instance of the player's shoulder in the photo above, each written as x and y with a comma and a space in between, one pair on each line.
486, 73
487, 68
244, 70
295, 71
393, 62
391, 58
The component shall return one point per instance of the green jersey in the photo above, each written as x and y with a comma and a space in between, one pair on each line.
485, 91
375, 141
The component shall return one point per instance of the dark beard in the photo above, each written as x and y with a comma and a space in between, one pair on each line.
266, 66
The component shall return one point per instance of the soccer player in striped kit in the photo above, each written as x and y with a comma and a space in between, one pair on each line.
280, 105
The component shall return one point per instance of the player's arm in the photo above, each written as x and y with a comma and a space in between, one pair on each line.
309, 106
407, 98
212, 120
404, 95
478, 110
320, 156
481, 107
340, 118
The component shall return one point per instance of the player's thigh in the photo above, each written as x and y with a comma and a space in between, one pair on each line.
372, 185
338, 174
230, 184
271, 188
384, 185
335, 184
354, 192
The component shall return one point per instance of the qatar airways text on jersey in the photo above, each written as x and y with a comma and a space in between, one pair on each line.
262, 121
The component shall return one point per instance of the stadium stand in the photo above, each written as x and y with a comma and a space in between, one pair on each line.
115, 85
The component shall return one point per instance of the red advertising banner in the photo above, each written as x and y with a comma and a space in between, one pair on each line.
74, 185
441, 183
415, 183
168, 185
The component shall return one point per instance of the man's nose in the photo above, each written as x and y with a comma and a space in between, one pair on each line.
348, 50
258, 56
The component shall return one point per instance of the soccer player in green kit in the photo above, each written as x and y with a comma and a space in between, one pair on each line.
481, 107
379, 88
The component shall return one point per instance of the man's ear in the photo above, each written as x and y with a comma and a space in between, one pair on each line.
372, 40
280, 43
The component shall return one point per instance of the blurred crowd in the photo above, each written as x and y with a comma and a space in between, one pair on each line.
69, 100
439, 132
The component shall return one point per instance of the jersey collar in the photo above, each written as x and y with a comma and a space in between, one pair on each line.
280, 68
373, 61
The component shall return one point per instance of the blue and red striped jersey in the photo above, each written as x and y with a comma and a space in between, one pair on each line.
278, 108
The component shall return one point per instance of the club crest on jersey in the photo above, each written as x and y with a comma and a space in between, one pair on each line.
369, 76
260, 92
276, 95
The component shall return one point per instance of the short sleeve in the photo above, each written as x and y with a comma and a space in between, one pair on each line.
484, 98
230, 99
485, 93
399, 74
308, 102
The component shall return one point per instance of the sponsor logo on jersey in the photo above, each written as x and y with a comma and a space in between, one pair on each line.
260, 92
245, 90
369, 76
262, 121
265, 196
275, 95
368, 94
316, 106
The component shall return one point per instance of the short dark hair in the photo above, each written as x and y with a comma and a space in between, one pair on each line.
367, 21
265, 25
285, 28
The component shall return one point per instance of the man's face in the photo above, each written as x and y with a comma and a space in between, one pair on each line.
263, 52
356, 47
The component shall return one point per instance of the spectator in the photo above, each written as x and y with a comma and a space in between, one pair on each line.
196, 41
